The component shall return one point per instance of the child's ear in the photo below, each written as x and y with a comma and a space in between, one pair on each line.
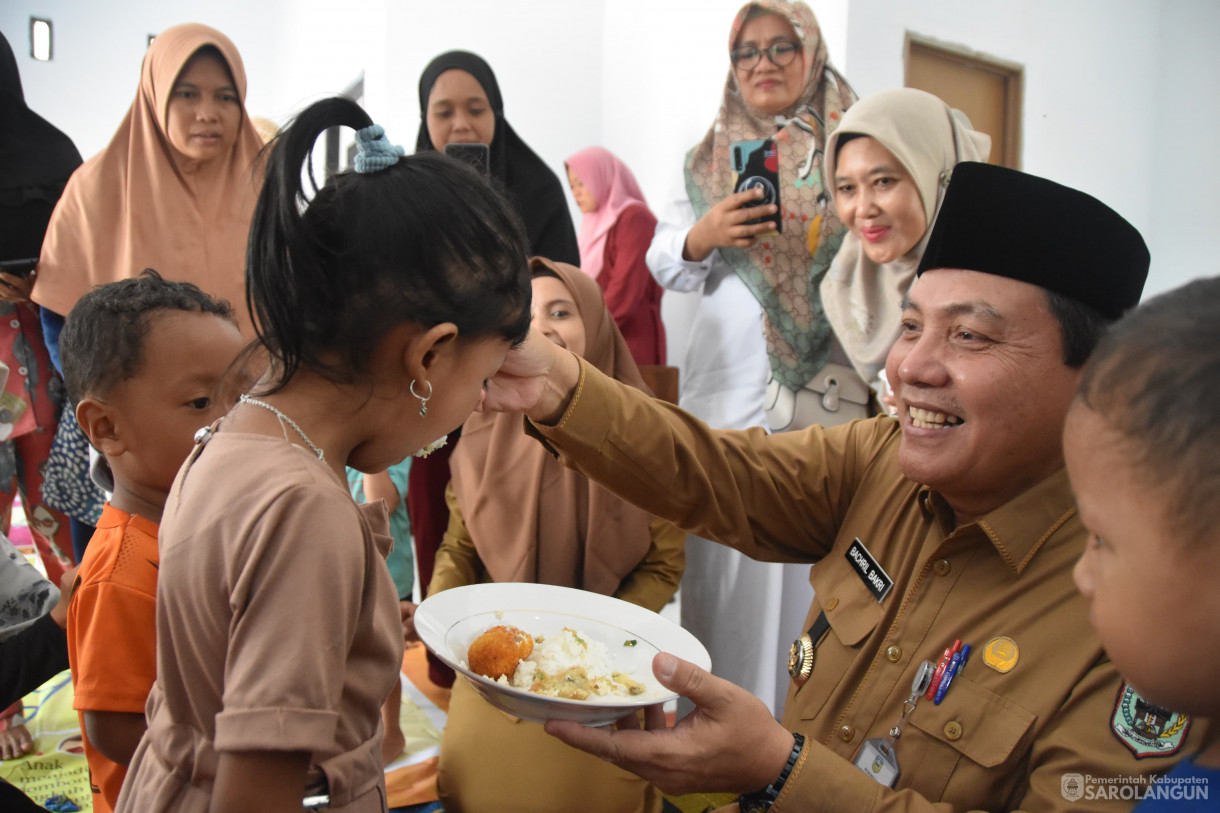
424, 349
96, 420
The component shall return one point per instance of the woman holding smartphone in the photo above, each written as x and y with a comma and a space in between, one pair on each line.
759, 315
460, 104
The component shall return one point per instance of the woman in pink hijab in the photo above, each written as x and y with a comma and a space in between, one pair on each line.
615, 233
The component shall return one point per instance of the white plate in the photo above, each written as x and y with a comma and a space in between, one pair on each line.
448, 622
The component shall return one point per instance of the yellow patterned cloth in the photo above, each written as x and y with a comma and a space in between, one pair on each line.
57, 764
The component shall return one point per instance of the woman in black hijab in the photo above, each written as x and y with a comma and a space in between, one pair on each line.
460, 103
35, 162
455, 111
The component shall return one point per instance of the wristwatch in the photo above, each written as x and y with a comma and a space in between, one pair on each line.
760, 801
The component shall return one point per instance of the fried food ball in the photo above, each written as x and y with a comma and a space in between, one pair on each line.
498, 651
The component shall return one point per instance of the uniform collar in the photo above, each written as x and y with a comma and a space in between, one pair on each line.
1020, 527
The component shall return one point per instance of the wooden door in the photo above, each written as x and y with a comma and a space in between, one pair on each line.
988, 91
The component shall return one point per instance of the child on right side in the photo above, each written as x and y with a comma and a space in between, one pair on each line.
1142, 447
147, 363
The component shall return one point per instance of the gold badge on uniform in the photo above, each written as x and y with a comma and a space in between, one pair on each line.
800, 659
800, 656
1001, 653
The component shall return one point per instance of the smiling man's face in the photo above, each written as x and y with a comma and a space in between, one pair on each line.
981, 388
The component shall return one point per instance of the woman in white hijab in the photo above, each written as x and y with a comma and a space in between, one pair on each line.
888, 162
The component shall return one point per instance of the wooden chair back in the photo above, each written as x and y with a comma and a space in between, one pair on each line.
662, 380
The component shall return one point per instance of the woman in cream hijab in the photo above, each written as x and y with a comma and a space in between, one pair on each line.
889, 163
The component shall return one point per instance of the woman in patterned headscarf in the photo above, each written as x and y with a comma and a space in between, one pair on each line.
780, 87
760, 312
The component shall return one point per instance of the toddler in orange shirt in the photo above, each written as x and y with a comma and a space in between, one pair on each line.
147, 363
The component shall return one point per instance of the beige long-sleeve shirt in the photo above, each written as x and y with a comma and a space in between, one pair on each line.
999, 740
277, 628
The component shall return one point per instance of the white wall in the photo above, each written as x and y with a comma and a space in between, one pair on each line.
1183, 115
1112, 87
666, 66
547, 56
88, 86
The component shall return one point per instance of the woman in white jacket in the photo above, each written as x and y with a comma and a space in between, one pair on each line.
759, 311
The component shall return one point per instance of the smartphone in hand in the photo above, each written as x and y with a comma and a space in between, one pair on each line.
19, 268
757, 166
477, 155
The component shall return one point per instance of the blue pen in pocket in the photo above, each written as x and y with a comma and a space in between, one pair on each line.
955, 666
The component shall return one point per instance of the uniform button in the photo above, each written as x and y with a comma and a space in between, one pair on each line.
830, 605
942, 567
15, 323
22, 371
953, 730
846, 733
894, 653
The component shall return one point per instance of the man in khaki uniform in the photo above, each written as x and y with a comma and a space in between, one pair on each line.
953, 524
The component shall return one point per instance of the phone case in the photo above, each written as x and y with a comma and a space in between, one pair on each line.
757, 166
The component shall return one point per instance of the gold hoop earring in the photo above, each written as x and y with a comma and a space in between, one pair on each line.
423, 399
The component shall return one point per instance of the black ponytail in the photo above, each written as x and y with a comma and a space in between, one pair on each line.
331, 270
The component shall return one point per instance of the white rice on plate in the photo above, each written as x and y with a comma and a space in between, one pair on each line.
572, 665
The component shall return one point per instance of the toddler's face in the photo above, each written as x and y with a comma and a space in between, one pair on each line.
181, 386
1153, 596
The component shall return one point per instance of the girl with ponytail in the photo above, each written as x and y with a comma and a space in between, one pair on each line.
384, 299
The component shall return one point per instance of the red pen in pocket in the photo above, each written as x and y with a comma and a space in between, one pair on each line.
941, 667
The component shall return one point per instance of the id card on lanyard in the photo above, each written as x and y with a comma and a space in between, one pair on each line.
877, 758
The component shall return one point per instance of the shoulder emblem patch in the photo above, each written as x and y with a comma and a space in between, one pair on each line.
1148, 730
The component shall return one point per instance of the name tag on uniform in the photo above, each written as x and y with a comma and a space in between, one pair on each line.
875, 579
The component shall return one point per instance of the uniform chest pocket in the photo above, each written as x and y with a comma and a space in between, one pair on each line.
853, 614
982, 726
851, 609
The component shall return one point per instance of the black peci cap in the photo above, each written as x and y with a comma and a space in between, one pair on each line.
1004, 222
